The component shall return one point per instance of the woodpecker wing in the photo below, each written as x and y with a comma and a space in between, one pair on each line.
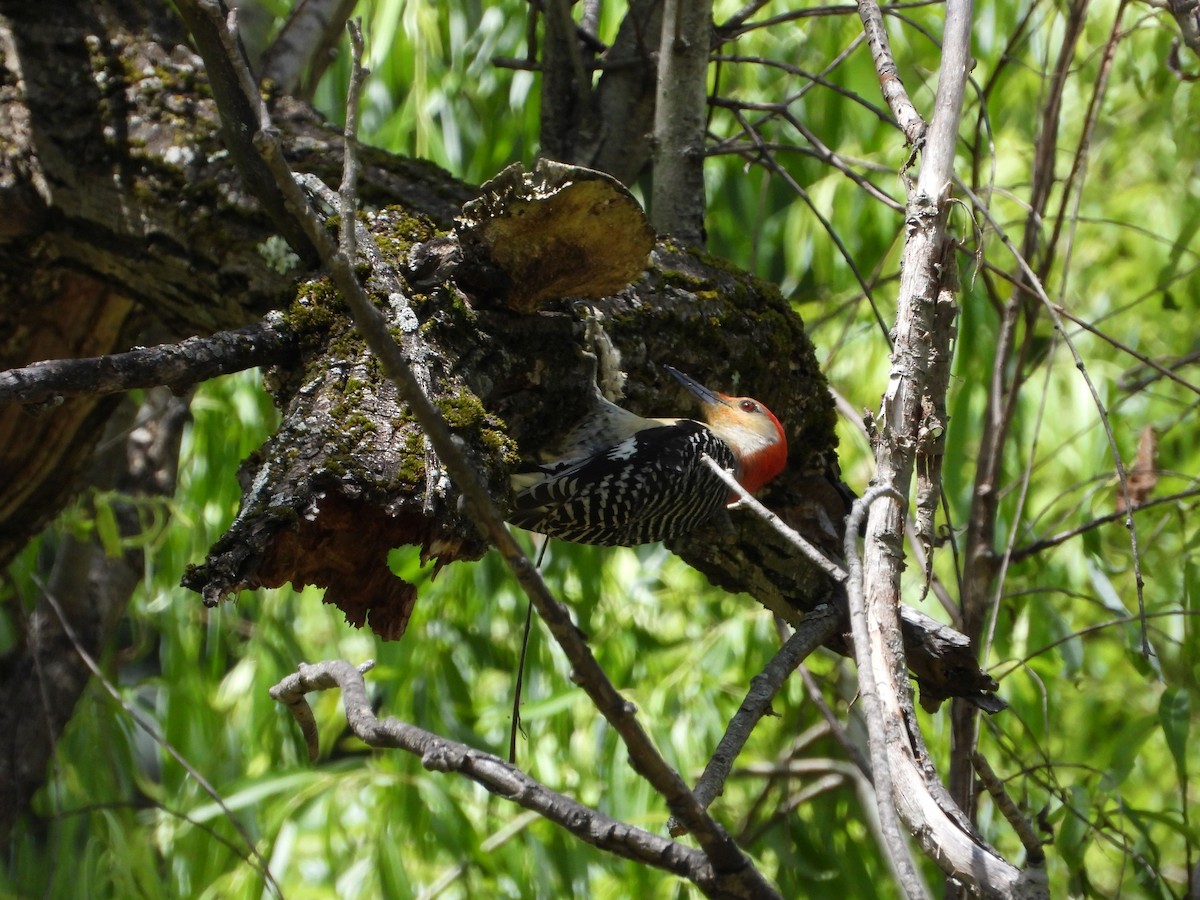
603, 427
651, 486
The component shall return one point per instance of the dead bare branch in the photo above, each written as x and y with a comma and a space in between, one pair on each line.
736, 873
439, 754
942, 830
178, 366
890, 84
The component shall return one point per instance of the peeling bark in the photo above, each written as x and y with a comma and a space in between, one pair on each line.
122, 213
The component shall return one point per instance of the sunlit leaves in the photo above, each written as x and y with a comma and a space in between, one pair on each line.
1099, 743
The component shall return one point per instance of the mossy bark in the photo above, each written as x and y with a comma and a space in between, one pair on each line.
124, 219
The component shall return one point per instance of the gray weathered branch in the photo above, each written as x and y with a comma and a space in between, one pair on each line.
501, 778
908, 411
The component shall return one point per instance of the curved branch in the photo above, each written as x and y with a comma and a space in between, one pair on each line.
503, 779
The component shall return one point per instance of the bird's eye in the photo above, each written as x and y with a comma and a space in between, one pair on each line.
748, 406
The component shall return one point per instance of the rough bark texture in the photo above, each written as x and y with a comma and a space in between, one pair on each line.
121, 216
606, 125
911, 418
511, 381
121, 209
122, 212
510, 384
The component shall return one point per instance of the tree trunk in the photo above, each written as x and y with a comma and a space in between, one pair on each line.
122, 213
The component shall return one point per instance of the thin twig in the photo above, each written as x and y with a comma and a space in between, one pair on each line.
727, 32
739, 18
1034, 854
1071, 189
439, 754
890, 84
773, 165
812, 79
816, 628
1006, 558
746, 499
1035, 284
516, 705
836, 728
178, 366
488, 845
759, 147
348, 192
1084, 632
1125, 348
1023, 553
727, 858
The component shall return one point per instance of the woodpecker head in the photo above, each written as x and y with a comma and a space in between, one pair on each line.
749, 428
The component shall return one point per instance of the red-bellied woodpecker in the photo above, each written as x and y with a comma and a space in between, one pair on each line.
626, 480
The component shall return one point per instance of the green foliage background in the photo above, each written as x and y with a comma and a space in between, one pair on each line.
1099, 742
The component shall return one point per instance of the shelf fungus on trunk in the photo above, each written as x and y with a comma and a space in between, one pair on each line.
550, 286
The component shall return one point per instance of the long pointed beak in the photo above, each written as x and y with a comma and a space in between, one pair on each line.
696, 388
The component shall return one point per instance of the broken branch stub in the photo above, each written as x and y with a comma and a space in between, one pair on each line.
348, 475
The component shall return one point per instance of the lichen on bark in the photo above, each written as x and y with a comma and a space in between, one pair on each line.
348, 475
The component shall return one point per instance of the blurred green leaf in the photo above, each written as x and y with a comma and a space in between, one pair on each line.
122, 818
1175, 715
107, 529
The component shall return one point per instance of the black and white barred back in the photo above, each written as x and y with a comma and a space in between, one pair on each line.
652, 486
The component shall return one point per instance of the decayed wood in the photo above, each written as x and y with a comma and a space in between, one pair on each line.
348, 475
123, 212
83, 255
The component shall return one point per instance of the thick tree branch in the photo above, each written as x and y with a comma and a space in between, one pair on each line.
625, 96
677, 203
303, 49
124, 213
237, 99
907, 411
567, 117
728, 860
